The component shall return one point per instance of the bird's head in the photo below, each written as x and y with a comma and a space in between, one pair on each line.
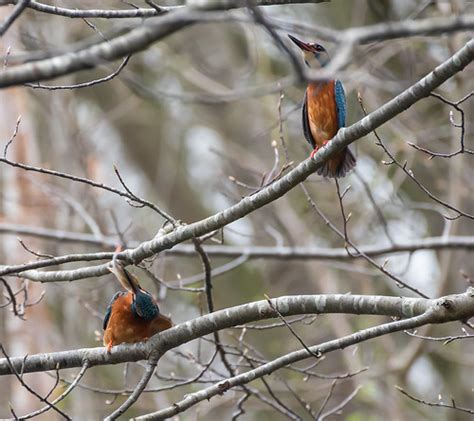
126, 279
314, 54
143, 304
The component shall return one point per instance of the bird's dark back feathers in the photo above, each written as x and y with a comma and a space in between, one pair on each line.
306, 129
108, 312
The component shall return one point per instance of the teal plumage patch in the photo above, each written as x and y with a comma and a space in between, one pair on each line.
144, 306
340, 98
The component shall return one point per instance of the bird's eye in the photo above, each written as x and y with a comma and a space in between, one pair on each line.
319, 48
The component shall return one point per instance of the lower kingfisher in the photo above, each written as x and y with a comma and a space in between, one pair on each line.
131, 316
324, 112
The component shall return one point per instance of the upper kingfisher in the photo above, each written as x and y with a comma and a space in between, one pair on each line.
324, 112
131, 316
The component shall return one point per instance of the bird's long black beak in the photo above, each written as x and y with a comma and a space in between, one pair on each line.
302, 45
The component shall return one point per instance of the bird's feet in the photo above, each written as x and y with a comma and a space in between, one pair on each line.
313, 152
109, 347
317, 148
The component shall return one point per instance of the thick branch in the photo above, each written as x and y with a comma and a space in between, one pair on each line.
268, 368
17, 11
449, 308
136, 40
142, 12
153, 30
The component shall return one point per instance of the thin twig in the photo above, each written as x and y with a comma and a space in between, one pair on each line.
341, 405
34, 253
28, 388
269, 301
326, 399
86, 181
12, 138
137, 391
38, 85
12, 298
445, 339
410, 174
436, 404
376, 207
210, 303
240, 407
360, 253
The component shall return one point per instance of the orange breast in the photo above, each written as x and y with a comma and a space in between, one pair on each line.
322, 113
124, 326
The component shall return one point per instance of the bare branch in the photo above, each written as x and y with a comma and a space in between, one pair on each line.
150, 369
341, 405
143, 36
11, 297
59, 174
366, 334
410, 174
140, 12
17, 11
252, 252
12, 138
84, 84
326, 399
445, 339
445, 309
436, 404
19, 375
63, 395
293, 332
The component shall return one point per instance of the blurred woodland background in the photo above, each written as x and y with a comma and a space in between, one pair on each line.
194, 123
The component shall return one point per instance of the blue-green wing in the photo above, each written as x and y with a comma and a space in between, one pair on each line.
340, 97
108, 312
144, 305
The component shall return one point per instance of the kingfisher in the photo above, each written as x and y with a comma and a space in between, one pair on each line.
324, 111
131, 316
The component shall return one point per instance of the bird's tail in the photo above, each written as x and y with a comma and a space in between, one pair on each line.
161, 323
339, 166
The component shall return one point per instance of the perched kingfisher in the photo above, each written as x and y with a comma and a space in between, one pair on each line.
131, 316
324, 112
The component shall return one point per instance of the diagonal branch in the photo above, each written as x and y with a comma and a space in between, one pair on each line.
20, 6
62, 396
150, 369
280, 187
344, 137
19, 375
